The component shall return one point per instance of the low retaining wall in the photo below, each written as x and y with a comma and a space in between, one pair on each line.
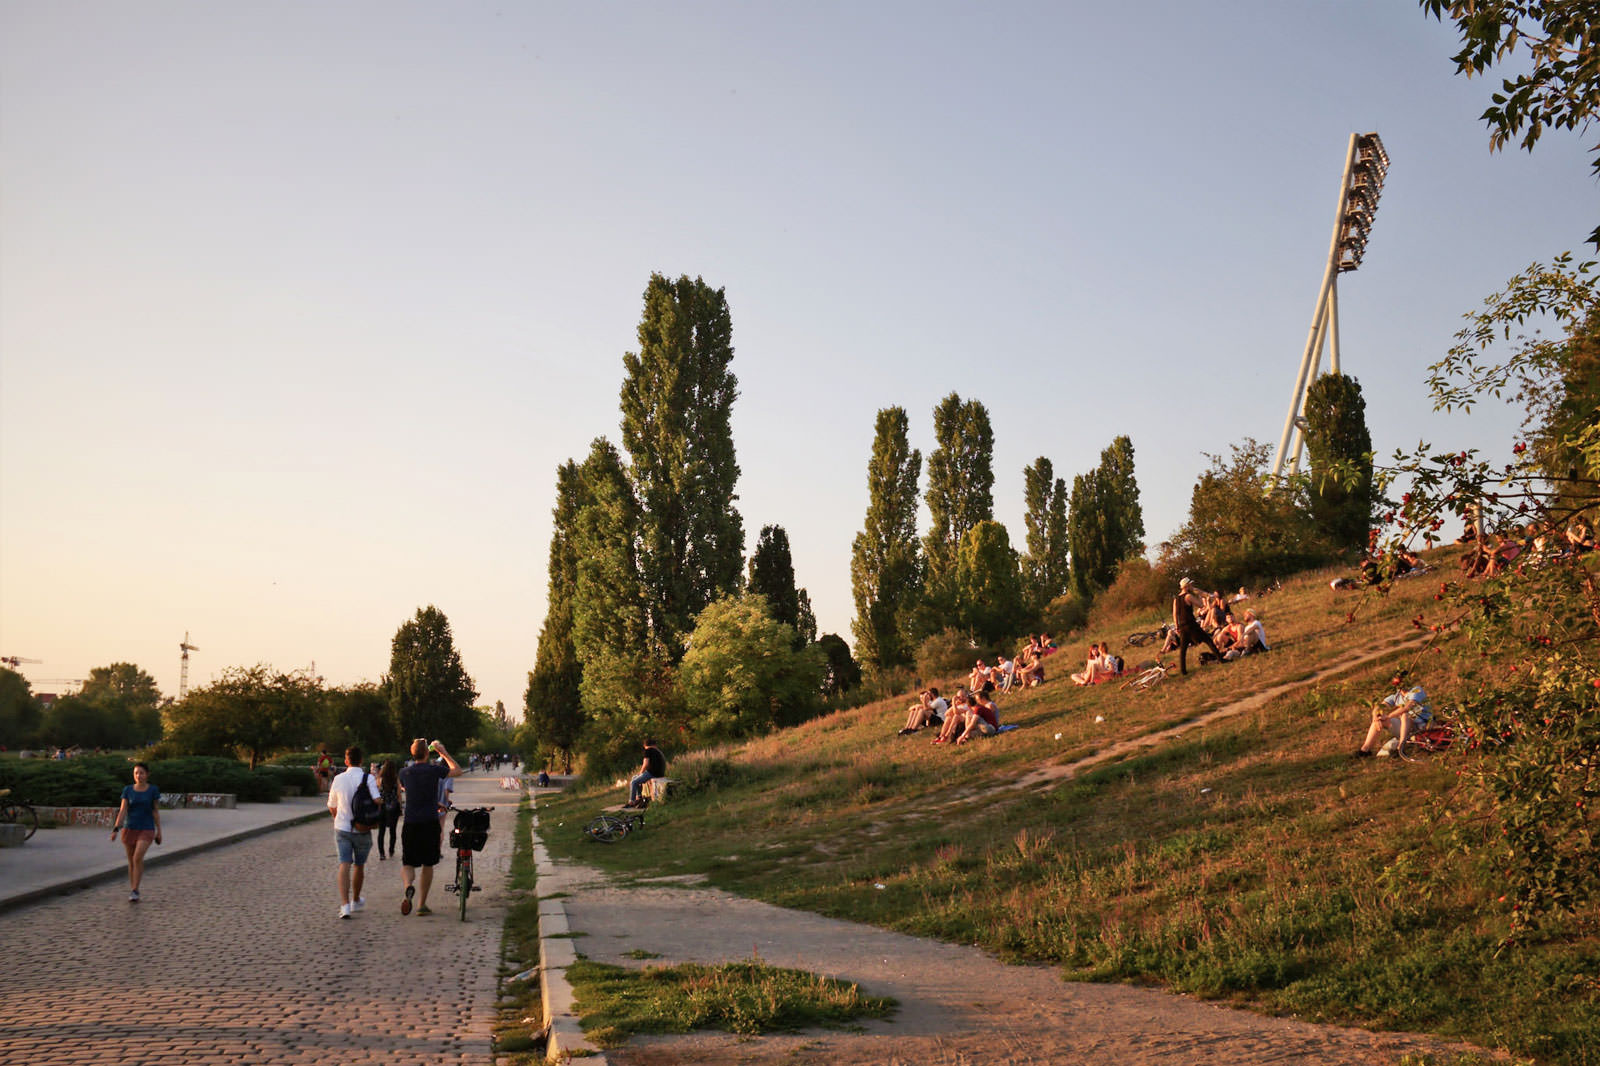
105, 816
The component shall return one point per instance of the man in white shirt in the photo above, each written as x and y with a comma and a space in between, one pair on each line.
353, 844
930, 710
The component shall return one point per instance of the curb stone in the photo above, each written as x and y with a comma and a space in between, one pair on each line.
556, 953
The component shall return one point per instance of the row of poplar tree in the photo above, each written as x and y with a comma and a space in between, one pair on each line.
963, 578
655, 627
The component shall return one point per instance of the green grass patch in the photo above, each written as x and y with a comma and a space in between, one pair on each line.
739, 997
1248, 860
519, 1020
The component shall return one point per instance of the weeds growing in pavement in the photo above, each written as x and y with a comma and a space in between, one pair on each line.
519, 1024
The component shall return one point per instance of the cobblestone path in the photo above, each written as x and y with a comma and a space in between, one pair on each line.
238, 956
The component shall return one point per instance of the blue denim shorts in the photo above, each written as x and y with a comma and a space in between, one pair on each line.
353, 847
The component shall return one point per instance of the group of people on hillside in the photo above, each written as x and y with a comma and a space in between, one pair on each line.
1201, 617
972, 713
1535, 545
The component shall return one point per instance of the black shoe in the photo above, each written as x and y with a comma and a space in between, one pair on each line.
1361, 753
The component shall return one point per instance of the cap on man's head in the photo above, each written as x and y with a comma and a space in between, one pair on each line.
1185, 583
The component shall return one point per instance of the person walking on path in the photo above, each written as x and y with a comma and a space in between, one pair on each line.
389, 802
353, 840
139, 820
653, 766
419, 833
1184, 626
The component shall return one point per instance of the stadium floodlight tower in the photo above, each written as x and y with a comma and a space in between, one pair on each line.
1365, 165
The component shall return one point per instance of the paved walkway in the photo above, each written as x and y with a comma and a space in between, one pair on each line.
237, 955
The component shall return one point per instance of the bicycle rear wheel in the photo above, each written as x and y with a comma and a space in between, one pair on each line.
20, 814
606, 829
464, 880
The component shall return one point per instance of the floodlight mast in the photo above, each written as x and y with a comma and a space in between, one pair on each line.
1365, 166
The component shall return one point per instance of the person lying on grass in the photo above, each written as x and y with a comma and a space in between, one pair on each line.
928, 710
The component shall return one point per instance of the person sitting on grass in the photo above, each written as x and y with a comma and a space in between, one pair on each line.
1006, 672
1580, 536
955, 719
983, 719
1030, 668
981, 679
1101, 666
1401, 713
929, 710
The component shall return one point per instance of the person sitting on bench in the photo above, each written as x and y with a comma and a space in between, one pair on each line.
654, 766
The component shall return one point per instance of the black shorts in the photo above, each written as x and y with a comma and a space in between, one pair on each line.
419, 843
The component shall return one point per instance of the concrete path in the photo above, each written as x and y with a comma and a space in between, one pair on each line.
237, 955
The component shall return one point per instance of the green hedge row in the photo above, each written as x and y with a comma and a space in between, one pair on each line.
97, 780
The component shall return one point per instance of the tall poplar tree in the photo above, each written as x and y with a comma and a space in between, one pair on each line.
1340, 450
772, 576
624, 669
1107, 523
885, 571
430, 694
960, 481
552, 704
677, 402
1047, 568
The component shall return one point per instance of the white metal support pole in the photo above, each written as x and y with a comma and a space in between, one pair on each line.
1333, 334
1313, 352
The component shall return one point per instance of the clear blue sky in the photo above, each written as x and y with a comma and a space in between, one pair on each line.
301, 304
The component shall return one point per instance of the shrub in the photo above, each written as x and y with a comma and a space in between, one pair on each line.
947, 653
1063, 615
1139, 587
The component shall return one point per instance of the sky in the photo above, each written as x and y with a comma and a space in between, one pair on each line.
303, 304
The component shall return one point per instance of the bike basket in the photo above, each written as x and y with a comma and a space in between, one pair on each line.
474, 839
471, 828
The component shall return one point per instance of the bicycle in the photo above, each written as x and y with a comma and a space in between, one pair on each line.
19, 812
610, 828
1147, 679
469, 833
1139, 640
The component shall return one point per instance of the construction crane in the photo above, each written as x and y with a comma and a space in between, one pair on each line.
15, 661
183, 674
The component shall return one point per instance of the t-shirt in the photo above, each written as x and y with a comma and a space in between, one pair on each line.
141, 807
987, 712
342, 791
939, 706
421, 782
655, 762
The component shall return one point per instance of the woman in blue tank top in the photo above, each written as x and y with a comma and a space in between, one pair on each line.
139, 819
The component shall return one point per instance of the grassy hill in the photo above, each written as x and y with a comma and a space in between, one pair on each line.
1244, 857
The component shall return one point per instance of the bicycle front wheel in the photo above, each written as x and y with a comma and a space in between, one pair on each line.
464, 881
20, 814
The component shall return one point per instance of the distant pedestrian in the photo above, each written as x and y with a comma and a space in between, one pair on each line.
354, 843
419, 832
324, 770
139, 820
389, 802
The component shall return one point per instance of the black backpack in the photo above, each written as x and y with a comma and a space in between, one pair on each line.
364, 812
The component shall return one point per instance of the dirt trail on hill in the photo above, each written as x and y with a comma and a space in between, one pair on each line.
1047, 775
958, 1005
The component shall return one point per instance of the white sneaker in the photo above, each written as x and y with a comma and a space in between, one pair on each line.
344, 910
359, 905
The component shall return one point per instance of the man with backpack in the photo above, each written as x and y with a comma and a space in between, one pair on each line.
353, 802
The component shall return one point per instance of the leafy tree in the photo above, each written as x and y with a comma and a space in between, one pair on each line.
626, 674
359, 715
1107, 523
246, 712
553, 702
1536, 715
960, 481
988, 584
841, 672
885, 571
772, 576
1048, 566
430, 694
742, 674
1239, 533
129, 699
19, 710
677, 403
1340, 449
1559, 87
